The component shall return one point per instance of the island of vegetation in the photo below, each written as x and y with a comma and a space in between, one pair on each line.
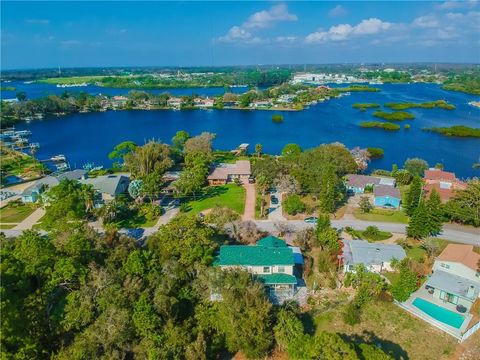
457, 130
285, 97
466, 82
358, 88
394, 116
365, 106
380, 125
442, 104
375, 153
7, 88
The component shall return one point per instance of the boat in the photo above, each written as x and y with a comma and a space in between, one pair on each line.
60, 157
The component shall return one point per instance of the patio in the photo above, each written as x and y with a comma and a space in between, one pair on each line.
423, 293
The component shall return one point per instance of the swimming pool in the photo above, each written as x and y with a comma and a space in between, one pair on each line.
438, 313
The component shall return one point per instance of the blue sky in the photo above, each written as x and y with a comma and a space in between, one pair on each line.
71, 34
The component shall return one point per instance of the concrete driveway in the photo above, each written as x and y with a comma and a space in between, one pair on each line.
249, 211
275, 212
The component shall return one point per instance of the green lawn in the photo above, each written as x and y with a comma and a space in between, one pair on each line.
15, 212
230, 195
416, 253
72, 80
6, 227
395, 216
390, 327
135, 222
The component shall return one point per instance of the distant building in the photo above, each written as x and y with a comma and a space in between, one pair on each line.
204, 103
444, 182
223, 173
261, 103
174, 102
375, 257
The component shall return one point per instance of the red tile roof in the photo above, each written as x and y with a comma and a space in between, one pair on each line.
439, 175
463, 254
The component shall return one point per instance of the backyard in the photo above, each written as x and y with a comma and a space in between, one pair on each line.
230, 195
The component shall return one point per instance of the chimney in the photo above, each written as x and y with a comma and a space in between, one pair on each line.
470, 291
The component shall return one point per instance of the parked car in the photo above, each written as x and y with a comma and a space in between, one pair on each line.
311, 220
274, 200
251, 180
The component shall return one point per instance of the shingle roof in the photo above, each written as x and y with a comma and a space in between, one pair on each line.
454, 284
277, 279
361, 181
271, 241
222, 171
363, 252
463, 254
385, 190
439, 175
108, 184
232, 255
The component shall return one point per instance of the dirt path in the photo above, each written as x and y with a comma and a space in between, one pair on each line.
249, 212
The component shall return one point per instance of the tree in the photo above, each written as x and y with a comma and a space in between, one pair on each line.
245, 232
286, 183
415, 166
135, 188
432, 246
179, 140
220, 216
291, 150
122, 149
406, 282
191, 180
464, 207
263, 183
199, 144
328, 190
149, 158
258, 149
414, 196
152, 185
324, 345
365, 204
288, 327
435, 213
418, 226
21, 96
293, 204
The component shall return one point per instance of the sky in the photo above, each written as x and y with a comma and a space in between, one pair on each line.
196, 33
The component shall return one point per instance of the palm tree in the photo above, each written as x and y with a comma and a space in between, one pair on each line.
258, 149
88, 196
262, 185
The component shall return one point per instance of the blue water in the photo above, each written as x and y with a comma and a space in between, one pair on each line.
90, 137
438, 313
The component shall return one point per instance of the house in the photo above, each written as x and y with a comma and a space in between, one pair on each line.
455, 276
375, 257
174, 102
204, 103
119, 101
386, 196
261, 103
444, 182
271, 261
109, 186
223, 173
358, 183
32, 193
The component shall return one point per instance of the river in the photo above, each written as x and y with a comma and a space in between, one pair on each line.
90, 137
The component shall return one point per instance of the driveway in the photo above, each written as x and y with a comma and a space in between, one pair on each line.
249, 212
275, 212
31, 220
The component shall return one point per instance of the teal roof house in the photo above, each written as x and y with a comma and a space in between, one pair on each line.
271, 261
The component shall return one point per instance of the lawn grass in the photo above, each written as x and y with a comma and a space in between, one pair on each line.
230, 195
135, 222
392, 328
6, 226
16, 212
394, 216
71, 80
416, 253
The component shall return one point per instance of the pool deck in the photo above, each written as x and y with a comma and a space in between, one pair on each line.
422, 293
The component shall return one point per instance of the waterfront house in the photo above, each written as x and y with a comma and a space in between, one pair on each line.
204, 103
261, 103
376, 257
223, 173
444, 182
271, 262
386, 196
108, 186
33, 193
119, 101
174, 102
455, 275
358, 183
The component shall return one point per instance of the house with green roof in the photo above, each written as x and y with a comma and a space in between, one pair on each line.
271, 261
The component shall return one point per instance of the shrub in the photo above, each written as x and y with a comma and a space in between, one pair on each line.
375, 153
293, 204
406, 126
351, 314
277, 118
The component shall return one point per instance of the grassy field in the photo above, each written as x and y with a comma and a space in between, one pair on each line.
15, 213
72, 80
230, 195
6, 227
385, 324
395, 216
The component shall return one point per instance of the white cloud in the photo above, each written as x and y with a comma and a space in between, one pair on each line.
260, 20
449, 5
338, 11
345, 31
427, 21
37, 21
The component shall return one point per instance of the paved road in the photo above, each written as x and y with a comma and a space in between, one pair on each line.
471, 237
